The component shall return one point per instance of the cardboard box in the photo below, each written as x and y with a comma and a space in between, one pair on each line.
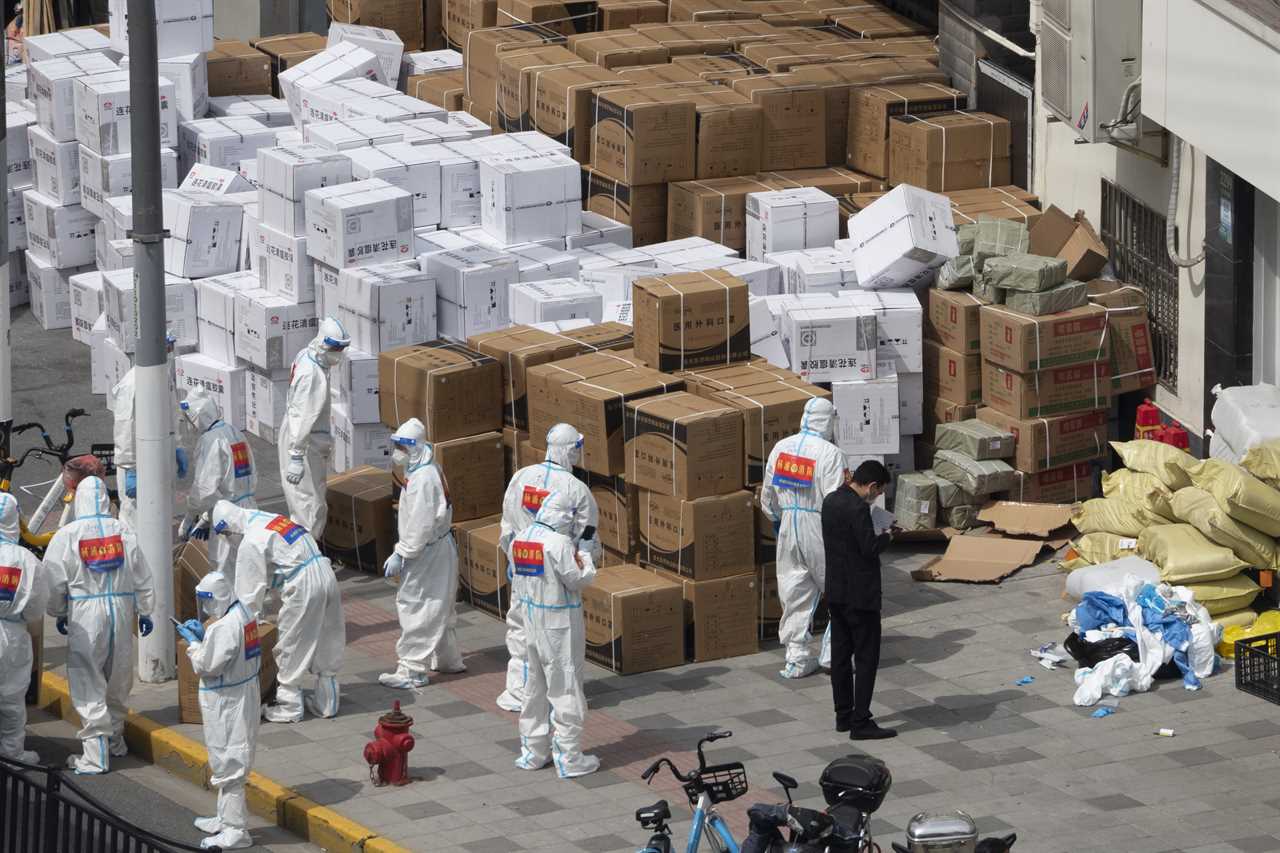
236, 68
60, 235
954, 320
771, 409
872, 108
950, 151
221, 142
406, 17
361, 529
357, 444
283, 265
795, 120
223, 382
472, 290
410, 167
1057, 391
830, 342
902, 237
565, 17
189, 74
555, 300
189, 683
182, 26
618, 505
121, 306
952, 376
641, 141
70, 42
517, 68
454, 391
618, 49
1129, 336
1065, 485
270, 111
1058, 235
482, 566
473, 469
271, 329
360, 223
634, 620
869, 420
622, 14
483, 45
783, 220
55, 166
86, 304
642, 208
720, 616
286, 51
526, 199
681, 445
386, 306
518, 349
938, 410
205, 232
381, 42
899, 328
1025, 344
52, 84
343, 61
873, 21
561, 103
264, 398
980, 559
442, 88
692, 319
702, 539
1044, 443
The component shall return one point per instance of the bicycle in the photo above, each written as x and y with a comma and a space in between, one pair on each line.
705, 787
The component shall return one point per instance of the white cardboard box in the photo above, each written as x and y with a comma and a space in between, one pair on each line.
902, 237
86, 304
104, 113
52, 85
273, 112
15, 84
108, 363
539, 263
783, 220
339, 62
555, 299
17, 225
103, 177
356, 444
21, 172
56, 166
603, 255
911, 401
282, 264
434, 131
815, 271
460, 195
221, 142
597, 228
49, 292
475, 128
614, 283
270, 330
64, 43
210, 179
121, 307
763, 278
19, 289
345, 134
419, 62
899, 325
831, 342
617, 312
190, 77
286, 173
559, 327
409, 167
528, 198
61, 235
216, 298
182, 26
322, 102
395, 108
868, 415
225, 383
112, 254
265, 399
326, 281
680, 247
360, 223
382, 43
766, 336
355, 386
472, 289
387, 306
205, 233
119, 218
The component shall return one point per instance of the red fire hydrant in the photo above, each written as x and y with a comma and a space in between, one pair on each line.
388, 754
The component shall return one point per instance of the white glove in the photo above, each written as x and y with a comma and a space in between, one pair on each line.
393, 566
295, 469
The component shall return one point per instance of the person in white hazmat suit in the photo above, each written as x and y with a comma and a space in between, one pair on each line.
528, 487
224, 469
548, 573
99, 589
277, 553
426, 562
226, 656
305, 443
124, 432
802, 470
23, 595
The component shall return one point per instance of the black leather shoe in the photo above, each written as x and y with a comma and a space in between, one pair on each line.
843, 725
870, 731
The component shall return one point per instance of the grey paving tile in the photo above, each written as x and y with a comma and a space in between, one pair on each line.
723, 755
464, 770
881, 827
497, 844
423, 810
1256, 729
912, 788
1034, 625
453, 710
989, 825
1194, 757
281, 737
599, 779
1113, 803
533, 806
1256, 844
657, 722
605, 843
767, 717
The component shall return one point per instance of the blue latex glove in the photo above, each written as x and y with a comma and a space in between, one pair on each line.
62, 625
130, 483
200, 532
777, 525
145, 626
186, 634
195, 628
393, 566
181, 455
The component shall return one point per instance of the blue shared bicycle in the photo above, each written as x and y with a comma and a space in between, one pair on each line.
705, 787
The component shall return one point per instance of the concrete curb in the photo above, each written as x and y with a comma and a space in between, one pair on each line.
187, 759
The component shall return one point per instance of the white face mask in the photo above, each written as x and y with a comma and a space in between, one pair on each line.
207, 605
399, 458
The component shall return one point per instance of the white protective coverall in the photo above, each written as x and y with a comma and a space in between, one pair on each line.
277, 553
100, 583
224, 469
23, 595
802, 470
528, 487
305, 443
426, 561
227, 662
549, 573
124, 420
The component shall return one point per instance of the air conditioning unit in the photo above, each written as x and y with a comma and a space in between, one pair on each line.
1090, 51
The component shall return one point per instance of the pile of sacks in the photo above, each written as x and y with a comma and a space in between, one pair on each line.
968, 468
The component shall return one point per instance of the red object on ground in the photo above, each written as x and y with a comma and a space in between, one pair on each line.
388, 753
1175, 435
1147, 422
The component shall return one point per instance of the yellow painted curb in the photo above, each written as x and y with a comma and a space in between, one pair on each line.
186, 758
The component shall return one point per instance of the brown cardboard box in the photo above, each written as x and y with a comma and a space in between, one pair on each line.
952, 376
682, 445
516, 349
832, 180
717, 69
711, 537
622, 14
1057, 391
1058, 235
644, 207
714, 209
617, 49
730, 131
473, 469
604, 337
517, 69
870, 112
453, 390
1128, 333
617, 503
1044, 443
403, 16
795, 119
482, 47
189, 682
709, 381
641, 141
488, 116
720, 617
785, 55
703, 11
610, 558
634, 620
190, 565
482, 566
683, 39
442, 88
771, 411
766, 541
564, 16
287, 51
954, 321
695, 319
461, 17
433, 25
235, 68
996, 208
1064, 485
938, 410
658, 75
1024, 343
770, 609
562, 103
513, 460
867, 21
361, 528
949, 151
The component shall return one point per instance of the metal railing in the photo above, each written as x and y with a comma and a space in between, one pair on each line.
43, 811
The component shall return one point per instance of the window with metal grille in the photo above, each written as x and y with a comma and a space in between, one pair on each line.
1134, 234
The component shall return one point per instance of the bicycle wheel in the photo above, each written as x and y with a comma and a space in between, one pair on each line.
718, 838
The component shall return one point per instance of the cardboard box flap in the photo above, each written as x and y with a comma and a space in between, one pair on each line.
621, 580
980, 559
1019, 519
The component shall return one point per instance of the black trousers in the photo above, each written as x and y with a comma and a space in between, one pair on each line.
855, 641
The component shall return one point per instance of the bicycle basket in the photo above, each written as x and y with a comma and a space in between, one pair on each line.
106, 454
722, 782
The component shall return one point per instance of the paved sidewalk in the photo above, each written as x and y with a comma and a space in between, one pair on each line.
1017, 757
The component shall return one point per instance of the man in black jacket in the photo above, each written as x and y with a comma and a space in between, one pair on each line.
853, 597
